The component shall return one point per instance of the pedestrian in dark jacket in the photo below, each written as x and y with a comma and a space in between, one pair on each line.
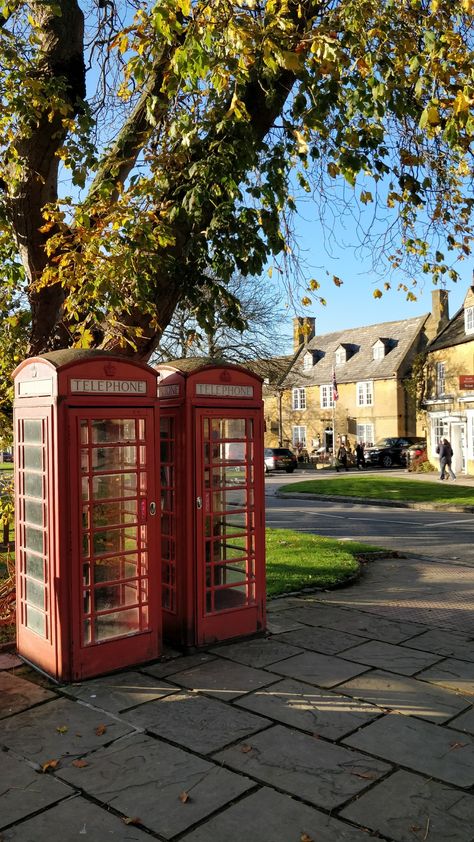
445, 456
360, 456
341, 457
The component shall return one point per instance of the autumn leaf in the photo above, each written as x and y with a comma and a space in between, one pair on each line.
100, 730
50, 764
62, 729
453, 746
337, 281
377, 293
184, 797
305, 838
131, 820
369, 776
79, 764
245, 748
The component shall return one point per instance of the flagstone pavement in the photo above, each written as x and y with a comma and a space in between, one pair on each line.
353, 719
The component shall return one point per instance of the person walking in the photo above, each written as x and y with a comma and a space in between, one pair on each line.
341, 457
360, 456
445, 456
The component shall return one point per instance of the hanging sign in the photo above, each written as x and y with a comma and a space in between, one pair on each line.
466, 381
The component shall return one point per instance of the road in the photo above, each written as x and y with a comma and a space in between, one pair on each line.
440, 535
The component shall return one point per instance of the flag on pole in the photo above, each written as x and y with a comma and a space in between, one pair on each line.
335, 393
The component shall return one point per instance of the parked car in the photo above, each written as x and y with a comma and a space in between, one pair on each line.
279, 459
413, 451
5, 456
387, 452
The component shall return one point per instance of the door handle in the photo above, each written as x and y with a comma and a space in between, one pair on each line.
153, 508
199, 502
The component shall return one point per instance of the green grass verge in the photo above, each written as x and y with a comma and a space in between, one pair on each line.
385, 488
297, 560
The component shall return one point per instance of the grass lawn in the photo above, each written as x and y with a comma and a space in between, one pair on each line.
387, 488
297, 560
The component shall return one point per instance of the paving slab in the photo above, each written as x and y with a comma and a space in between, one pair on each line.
327, 641
269, 816
75, 819
162, 669
309, 708
195, 721
116, 693
361, 623
17, 694
8, 661
281, 622
257, 653
406, 807
465, 722
224, 679
324, 774
167, 788
406, 695
453, 673
59, 730
444, 642
24, 791
399, 659
319, 669
433, 750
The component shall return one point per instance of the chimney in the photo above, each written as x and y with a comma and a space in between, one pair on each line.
439, 310
304, 329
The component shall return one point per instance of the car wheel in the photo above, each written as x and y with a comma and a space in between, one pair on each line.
289, 470
265, 469
387, 461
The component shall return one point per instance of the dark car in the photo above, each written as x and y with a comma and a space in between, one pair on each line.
387, 452
413, 451
5, 456
279, 459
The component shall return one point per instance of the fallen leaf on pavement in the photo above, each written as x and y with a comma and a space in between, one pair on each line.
368, 776
245, 748
80, 763
62, 729
100, 730
456, 745
50, 764
184, 797
131, 820
305, 838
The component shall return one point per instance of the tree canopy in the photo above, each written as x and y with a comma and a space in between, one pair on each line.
149, 150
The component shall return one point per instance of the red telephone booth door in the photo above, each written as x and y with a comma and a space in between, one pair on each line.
113, 524
230, 525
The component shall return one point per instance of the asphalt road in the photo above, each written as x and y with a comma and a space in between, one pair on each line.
440, 535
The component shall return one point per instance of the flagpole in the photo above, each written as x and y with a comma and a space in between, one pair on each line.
333, 429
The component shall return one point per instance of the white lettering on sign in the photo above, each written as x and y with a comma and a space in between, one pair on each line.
30, 388
217, 390
170, 391
109, 387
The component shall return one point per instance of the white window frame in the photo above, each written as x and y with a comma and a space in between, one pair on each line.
439, 430
469, 320
440, 379
470, 433
365, 393
298, 398
326, 396
299, 436
307, 362
365, 434
341, 356
378, 351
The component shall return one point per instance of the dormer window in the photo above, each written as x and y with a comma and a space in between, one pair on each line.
379, 349
469, 320
341, 355
307, 361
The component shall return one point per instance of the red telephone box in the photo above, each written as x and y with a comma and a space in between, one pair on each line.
212, 502
87, 538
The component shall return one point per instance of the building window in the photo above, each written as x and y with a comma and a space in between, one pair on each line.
365, 434
299, 398
299, 437
440, 379
470, 434
439, 430
469, 319
341, 356
365, 393
307, 362
378, 351
326, 396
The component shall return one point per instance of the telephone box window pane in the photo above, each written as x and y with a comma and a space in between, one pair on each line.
115, 596
35, 620
117, 624
33, 458
107, 569
114, 514
165, 427
143, 483
34, 539
113, 430
114, 540
34, 512
86, 574
230, 598
232, 452
86, 632
85, 488
113, 457
84, 432
86, 549
34, 485
114, 485
85, 518
35, 593
32, 432
141, 429
142, 451
130, 566
228, 428
34, 566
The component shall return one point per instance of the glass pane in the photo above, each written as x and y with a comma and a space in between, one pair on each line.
34, 485
86, 548
103, 458
165, 427
32, 432
130, 566
229, 428
113, 430
34, 512
114, 596
114, 540
167, 451
35, 620
114, 485
84, 432
86, 574
34, 539
35, 593
85, 488
107, 569
34, 566
141, 429
109, 514
230, 598
86, 632
117, 624
33, 457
